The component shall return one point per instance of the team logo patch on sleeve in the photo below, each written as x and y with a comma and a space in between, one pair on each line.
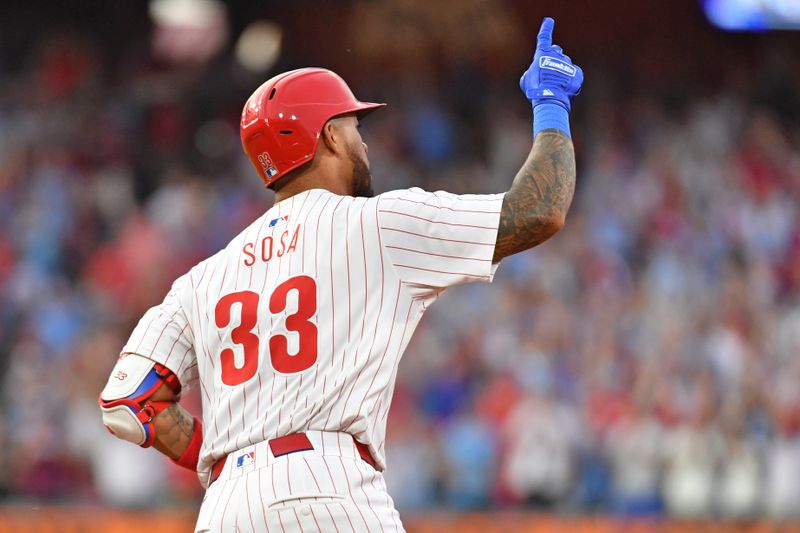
245, 459
280, 221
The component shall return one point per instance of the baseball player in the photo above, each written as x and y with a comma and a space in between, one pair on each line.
295, 330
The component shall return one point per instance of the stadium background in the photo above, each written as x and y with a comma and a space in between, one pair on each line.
641, 368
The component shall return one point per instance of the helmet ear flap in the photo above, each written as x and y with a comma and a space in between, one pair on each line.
282, 120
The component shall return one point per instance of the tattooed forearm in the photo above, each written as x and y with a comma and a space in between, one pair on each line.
174, 427
537, 203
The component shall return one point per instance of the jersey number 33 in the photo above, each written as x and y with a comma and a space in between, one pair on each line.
243, 335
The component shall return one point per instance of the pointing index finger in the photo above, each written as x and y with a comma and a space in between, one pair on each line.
545, 37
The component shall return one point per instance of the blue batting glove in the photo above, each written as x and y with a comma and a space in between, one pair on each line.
551, 78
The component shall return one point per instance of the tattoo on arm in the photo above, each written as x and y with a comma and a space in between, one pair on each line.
174, 427
535, 206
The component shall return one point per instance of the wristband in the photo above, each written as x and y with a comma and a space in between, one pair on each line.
191, 455
550, 116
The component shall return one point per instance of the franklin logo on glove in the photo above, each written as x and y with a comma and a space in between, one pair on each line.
559, 66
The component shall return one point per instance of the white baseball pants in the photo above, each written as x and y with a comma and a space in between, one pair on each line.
327, 489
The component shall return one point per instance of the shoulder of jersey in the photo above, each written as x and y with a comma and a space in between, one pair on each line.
399, 193
233, 244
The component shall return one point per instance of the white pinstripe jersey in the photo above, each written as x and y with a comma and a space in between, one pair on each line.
300, 322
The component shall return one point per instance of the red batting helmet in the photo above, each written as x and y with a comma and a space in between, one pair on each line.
282, 120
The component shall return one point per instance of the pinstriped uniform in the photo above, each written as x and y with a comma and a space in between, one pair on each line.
376, 265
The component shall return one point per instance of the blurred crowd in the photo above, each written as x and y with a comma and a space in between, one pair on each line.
642, 362
645, 361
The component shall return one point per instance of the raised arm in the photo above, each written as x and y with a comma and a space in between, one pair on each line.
536, 205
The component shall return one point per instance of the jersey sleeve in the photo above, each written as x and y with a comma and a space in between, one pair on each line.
439, 239
164, 335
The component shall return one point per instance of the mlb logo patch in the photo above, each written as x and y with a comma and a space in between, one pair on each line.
274, 223
245, 459
267, 164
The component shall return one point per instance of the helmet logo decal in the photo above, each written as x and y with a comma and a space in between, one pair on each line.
266, 164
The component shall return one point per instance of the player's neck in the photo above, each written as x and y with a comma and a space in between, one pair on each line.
313, 178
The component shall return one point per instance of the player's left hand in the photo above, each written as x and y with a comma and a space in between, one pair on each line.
551, 77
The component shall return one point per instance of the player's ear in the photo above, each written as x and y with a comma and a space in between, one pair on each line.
333, 137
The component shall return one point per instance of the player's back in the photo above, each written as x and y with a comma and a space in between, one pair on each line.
300, 322
296, 325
